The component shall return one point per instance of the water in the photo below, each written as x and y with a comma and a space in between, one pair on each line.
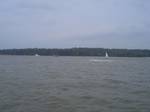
74, 84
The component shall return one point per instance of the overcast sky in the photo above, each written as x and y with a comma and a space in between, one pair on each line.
75, 23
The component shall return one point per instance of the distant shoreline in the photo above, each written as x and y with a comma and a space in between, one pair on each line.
100, 52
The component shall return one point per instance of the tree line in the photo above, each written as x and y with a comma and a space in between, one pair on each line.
78, 52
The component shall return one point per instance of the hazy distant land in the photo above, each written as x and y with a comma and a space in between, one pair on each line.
78, 52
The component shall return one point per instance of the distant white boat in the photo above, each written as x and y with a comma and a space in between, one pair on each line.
36, 55
106, 55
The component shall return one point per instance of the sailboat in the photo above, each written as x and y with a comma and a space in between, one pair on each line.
106, 55
36, 55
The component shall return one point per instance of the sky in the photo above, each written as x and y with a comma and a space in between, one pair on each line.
75, 23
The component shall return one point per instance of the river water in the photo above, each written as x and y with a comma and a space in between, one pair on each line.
74, 84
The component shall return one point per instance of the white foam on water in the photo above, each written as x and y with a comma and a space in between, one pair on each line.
100, 60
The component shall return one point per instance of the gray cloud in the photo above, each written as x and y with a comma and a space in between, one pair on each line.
71, 23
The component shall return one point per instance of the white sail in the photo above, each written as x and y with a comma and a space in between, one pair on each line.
106, 55
37, 55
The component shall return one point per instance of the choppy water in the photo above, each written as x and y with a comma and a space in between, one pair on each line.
74, 84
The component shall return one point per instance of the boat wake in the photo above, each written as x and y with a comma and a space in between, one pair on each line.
100, 60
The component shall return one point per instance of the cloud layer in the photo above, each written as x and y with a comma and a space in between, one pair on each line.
74, 23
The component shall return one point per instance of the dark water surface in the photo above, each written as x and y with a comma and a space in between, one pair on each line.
74, 84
